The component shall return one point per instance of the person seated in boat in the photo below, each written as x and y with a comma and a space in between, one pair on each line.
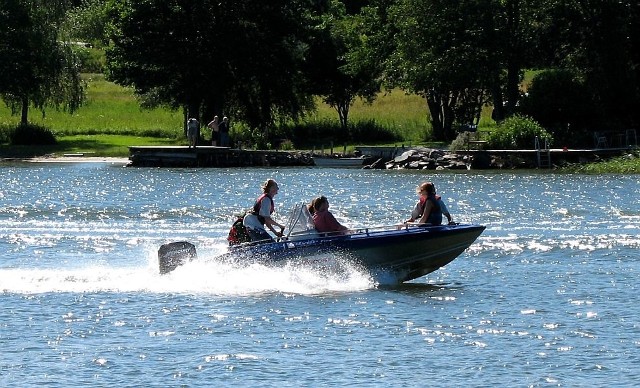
323, 220
428, 209
260, 215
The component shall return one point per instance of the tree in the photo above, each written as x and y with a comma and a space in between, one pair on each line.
339, 66
598, 40
265, 53
88, 21
605, 58
444, 52
514, 47
560, 101
37, 63
242, 56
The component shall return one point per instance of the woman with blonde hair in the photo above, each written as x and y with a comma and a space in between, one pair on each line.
260, 215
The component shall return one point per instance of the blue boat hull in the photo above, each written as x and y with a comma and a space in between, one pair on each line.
405, 254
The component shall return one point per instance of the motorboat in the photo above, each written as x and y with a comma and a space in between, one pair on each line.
397, 252
346, 162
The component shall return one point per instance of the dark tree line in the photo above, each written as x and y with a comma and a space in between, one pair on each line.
37, 65
263, 61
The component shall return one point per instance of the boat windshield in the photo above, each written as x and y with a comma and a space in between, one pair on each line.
300, 221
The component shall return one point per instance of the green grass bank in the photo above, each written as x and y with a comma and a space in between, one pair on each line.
112, 119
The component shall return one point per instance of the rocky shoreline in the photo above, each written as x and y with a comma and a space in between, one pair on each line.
416, 158
422, 158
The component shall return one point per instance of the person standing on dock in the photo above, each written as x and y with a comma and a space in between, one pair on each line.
214, 126
224, 132
193, 132
260, 216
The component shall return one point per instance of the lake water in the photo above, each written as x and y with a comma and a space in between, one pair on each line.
547, 296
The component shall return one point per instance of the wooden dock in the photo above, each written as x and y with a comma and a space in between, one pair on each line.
542, 158
211, 156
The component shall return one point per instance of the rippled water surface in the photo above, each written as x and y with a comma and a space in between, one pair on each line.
547, 296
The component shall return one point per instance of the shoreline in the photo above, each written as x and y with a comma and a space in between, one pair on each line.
70, 159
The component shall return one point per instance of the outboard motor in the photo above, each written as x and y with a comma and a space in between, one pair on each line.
174, 254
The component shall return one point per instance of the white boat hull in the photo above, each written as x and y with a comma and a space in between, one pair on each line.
338, 162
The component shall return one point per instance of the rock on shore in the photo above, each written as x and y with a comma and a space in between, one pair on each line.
422, 158
426, 159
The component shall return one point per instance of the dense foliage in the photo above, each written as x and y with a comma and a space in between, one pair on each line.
239, 58
518, 132
37, 64
262, 62
561, 102
29, 134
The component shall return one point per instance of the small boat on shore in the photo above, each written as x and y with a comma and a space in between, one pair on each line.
399, 253
328, 161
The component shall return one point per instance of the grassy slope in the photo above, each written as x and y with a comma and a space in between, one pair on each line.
112, 109
112, 120
109, 122
392, 109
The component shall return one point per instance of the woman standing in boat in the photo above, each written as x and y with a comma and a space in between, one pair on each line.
427, 210
260, 216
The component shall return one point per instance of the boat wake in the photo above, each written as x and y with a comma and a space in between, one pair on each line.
235, 278
207, 275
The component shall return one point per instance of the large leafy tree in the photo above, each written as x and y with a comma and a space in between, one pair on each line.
340, 67
240, 57
599, 41
445, 51
87, 22
37, 65
606, 59
514, 48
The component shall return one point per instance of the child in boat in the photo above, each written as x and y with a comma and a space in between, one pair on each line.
323, 220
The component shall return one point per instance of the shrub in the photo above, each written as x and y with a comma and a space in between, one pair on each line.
370, 131
314, 134
6, 132
460, 142
286, 145
31, 134
517, 132
91, 60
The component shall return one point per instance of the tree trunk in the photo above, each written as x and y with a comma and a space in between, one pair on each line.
436, 117
25, 111
185, 114
498, 102
513, 86
343, 113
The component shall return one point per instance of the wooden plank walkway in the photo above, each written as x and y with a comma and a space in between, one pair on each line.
556, 156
